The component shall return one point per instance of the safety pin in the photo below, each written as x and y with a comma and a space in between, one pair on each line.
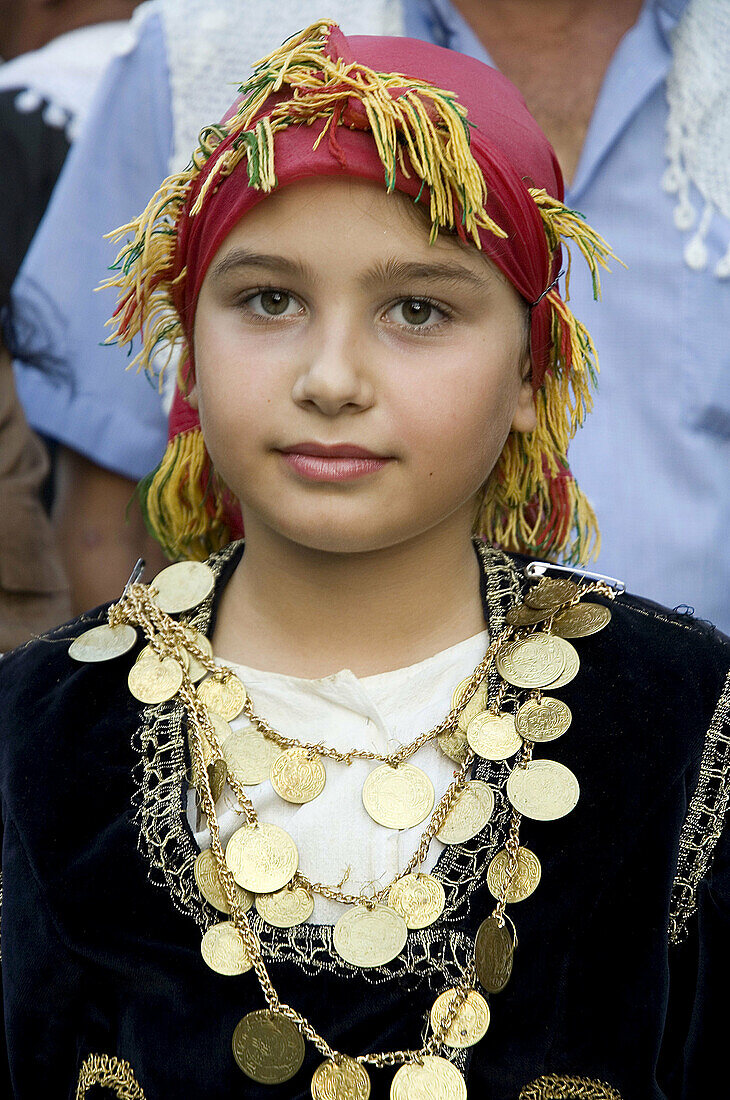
134, 576
539, 568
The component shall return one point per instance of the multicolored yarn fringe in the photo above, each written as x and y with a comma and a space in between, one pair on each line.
531, 503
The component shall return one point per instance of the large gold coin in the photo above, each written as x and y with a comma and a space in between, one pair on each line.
102, 643
453, 743
524, 615
155, 679
544, 720
435, 1079
550, 593
147, 652
470, 811
196, 670
470, 1023
543, 790
419, 899
211, 887
287, 907
182, 586
476, 704
267, 1047
262, 857
249, 755
581, 620
223, 694
298, 775
398, 798
344, 1079
369, 937
524, 881
493, 955
221, 729
222, 949
572, 664
494, 736
531, 662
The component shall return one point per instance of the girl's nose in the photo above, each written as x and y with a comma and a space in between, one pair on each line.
333, 377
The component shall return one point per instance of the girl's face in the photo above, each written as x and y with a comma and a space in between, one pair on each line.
355, 384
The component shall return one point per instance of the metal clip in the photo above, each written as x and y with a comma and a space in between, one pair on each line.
540, 568
134, 576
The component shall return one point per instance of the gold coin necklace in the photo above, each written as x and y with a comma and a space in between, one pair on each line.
268, 1044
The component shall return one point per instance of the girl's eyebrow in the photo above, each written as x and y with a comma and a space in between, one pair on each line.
402, 271
242, 257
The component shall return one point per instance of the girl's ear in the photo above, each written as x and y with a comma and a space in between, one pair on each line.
525, 417
192, 395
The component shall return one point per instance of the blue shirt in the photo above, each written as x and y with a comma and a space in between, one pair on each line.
655, 454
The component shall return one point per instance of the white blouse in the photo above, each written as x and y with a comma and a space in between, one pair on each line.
333, 833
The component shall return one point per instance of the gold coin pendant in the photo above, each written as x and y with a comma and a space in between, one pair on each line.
196, 670
262, 857
344, 1079
543, 720
493, 955
550, 593
524, 881
155, 679
470, 811
476, 705
249, 755
524, 615
223, 694
102, 643
182, 586
298, 775
287, 907
470, 1023
571, 667
223, 950
494, 736
267, 1047
453, 743
543, 790
435, 1079
206, 874
531, 662
582, 620
399, 797
369, 937
418, 898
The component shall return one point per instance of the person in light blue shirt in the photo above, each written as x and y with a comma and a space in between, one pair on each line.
655, 453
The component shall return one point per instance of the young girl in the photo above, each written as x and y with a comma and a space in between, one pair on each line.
346, 813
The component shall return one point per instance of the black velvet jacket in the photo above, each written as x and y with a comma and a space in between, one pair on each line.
620, 975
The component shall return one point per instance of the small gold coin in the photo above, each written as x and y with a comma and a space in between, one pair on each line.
550, 593
531, 662
215, 766
419, 899
453, 743
493, 955
298, 775
572, 664
470, 1023
369, 937
196, 670
267, 1047
582, 620
344, 1079
182, 586
249, 755
470, 811
494, 736
398, 798
435, 1079
223, 694
222, 949
102, 643
262, 857
211, 887
544, 720
543, 790
287, 907
155, 679
524, 881
524, 615
477, 703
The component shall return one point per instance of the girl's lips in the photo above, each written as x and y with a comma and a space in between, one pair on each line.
332, 467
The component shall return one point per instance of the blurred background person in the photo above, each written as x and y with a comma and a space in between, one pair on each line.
632, 94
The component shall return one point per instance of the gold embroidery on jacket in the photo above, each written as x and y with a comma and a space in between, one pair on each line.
110, 1073
703, 824
556, 1086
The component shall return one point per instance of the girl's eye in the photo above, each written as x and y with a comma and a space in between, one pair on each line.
273, 303
416, 313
